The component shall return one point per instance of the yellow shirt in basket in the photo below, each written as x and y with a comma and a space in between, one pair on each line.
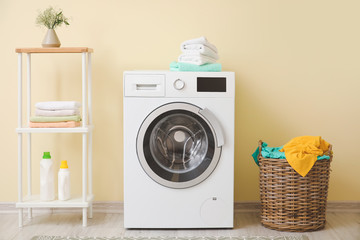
301, 152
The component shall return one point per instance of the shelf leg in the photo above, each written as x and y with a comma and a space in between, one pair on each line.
28, 107
84, 167
19, 90
90, 174
84, 177
20, 136
84, 137
84, 105
28, 83
20, 217
90, 162
29, 171
20, 176
29, 213
89, 78
90, 210
84, 217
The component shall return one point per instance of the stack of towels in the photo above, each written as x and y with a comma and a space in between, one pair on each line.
56, 114
197, 55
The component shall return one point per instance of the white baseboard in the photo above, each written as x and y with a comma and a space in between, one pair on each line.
118, 207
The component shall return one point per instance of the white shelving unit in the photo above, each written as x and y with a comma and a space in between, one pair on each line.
30, 201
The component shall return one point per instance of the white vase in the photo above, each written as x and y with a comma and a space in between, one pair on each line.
51, 39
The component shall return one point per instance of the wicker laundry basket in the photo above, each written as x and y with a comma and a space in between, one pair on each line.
290, 202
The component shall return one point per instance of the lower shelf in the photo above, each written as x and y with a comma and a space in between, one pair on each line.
35, 202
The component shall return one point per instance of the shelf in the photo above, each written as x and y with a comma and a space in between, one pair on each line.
85, 200
35, 202
85, 129
55, 50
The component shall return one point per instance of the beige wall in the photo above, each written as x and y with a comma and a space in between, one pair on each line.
297, 66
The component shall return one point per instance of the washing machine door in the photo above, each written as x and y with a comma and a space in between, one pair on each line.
179, 145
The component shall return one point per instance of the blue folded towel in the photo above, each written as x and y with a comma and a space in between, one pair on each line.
188, 67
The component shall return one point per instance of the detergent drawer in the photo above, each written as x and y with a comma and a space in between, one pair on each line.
144, 85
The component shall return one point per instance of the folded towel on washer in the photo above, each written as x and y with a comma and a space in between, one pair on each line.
56, 113
202, 49
68, 124
187, 67
58, 105
195, 58
75, 118
193, 44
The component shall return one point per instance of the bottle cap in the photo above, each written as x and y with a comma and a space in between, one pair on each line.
63, 164
46, 155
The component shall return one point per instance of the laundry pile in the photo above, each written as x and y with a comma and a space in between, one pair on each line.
56, 114
300, 152
197, 55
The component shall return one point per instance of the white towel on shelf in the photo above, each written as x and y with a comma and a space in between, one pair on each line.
190, 44
57, 113
195, 58
58, 105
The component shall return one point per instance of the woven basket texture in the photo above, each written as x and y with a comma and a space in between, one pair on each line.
290, 202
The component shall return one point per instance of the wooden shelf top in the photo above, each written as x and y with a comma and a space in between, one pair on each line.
55, 50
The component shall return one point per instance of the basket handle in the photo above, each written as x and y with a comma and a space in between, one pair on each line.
330, 152
260, 147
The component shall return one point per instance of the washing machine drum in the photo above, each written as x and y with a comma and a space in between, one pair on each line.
176, 145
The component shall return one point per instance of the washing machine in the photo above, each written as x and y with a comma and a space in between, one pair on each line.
178, 149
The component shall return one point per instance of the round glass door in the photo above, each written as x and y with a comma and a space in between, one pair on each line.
176, 146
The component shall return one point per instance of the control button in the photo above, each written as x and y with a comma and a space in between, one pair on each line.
179, 84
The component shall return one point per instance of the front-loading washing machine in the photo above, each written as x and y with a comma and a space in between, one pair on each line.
178, 149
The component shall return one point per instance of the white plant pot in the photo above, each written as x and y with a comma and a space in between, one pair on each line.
51, 39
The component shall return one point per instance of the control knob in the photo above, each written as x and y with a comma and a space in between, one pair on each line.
179, 84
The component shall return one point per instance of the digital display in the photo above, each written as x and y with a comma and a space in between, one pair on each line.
211, 84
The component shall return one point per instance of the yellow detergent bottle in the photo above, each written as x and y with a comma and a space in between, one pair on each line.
64, 181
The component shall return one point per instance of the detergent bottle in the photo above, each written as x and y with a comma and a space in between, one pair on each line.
47, 187
64, 181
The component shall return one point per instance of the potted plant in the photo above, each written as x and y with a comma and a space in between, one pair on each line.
51, 18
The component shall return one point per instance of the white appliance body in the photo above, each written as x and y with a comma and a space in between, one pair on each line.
169, 191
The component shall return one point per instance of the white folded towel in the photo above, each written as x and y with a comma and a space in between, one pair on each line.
200, 48
57, 113
58, 105
195, 58
189, 44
